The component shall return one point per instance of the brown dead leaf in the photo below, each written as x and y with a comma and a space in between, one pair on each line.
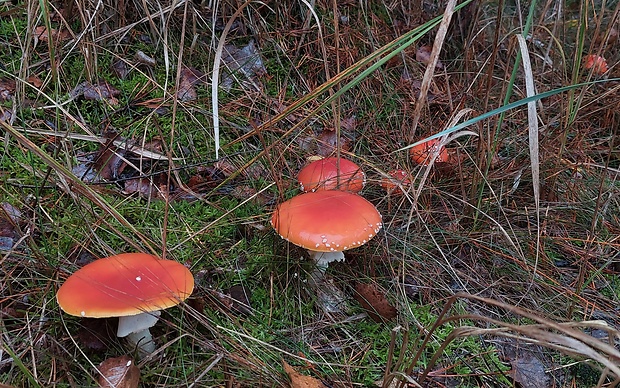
95, 334
41, 34
423, 54
35, 81
149, 188
9, 218
327, 143
226, 167
529, 371
5, 115
301, 381
101, 91
7, 88
119, 372
244, 64
236, 300
190, 77
120, 68
109, 163
207, 177
374, 302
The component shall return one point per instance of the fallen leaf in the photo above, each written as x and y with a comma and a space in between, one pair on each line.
240, 296
41, 34
374, 302
35, 81
327, 143
244, 192
348, 123
423, 54
9, 218
190, 77
244, 64
120, 68
119, 372
109, 162
7, 88
5, 115
149, 188
236, 300
301, 381
226, 167
95, 334
101, 91
529, 371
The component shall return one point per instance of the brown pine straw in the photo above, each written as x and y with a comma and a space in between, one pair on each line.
565, 337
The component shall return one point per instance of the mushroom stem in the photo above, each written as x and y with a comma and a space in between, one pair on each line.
143, 340
329, 296
136, 329
322, 259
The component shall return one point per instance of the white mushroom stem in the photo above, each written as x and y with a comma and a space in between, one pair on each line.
330, 297
136, 329
322, 259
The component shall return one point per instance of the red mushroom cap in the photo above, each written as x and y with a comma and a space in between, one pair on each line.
397, 179
323, 174
327, 220
597, 63
125, 284
421, 154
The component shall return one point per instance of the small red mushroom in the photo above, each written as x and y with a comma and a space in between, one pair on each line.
596, 63
332, 174
422, 153
395, 182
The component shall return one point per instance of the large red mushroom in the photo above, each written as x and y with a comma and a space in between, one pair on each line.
132, 286
327, 223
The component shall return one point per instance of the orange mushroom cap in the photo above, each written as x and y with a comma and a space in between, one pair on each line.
323, 174
327, 220
123, 285
597, 63
421, 154
396, 179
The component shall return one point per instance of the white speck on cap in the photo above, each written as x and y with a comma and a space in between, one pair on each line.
138, 278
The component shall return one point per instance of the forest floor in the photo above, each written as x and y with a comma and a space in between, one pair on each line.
177, 129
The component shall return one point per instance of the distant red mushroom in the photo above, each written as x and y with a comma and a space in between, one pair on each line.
394, 184
131, 286
423, 153
332, 174
596, 63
